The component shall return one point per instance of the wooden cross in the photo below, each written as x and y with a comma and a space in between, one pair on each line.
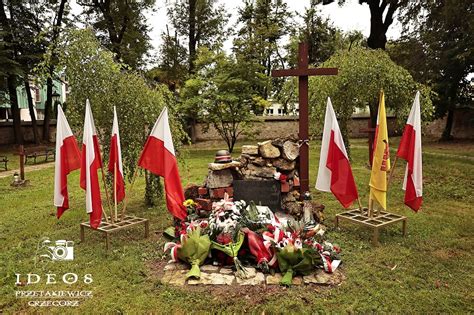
302, 72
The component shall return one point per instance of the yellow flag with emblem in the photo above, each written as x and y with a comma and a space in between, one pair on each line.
381, 158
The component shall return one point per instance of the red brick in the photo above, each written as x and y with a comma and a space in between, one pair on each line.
217, 193
206, 204
296, 181
202, 191
230, 191
285, 187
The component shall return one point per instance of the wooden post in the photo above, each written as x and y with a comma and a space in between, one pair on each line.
115, 190
302, 72
106, 194
391, 171
125, 203
360, 205
22, 162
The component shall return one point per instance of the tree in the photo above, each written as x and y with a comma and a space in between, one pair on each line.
263, 25
201, 22
121, 26
362, 73
50, 64
437, 57
382, 15
95, 75
172, 67
220, 94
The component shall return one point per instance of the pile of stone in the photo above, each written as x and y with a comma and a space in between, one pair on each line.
175, 274
269, 160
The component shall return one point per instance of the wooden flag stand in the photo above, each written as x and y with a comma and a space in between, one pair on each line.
367, 217
114, 222
382, 219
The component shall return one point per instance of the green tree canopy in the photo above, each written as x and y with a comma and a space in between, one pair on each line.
362, 73
94, 74
221, 94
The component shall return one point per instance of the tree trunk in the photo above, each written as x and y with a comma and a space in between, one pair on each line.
192, 35
377, 38
446, 136
32, 111
47, 107
49, 81
15, 109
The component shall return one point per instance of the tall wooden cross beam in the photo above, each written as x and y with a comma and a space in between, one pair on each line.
303, 72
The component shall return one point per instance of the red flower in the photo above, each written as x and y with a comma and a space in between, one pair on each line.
224, 238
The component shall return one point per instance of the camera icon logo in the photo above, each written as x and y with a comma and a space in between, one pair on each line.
57, 251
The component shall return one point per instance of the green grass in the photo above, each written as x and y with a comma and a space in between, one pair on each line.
429, 271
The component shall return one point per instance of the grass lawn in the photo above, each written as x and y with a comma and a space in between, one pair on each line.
429, 271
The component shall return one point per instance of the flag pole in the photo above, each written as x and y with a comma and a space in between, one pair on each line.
371, 208
360, 205
115, 190
107, 194
125, 203
391, 171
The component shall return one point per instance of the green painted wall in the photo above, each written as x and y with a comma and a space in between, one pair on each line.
23, 100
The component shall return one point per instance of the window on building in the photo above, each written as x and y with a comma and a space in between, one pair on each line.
37, 95
269, 111
280, 111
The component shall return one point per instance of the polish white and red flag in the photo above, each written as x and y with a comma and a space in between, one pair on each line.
335, 173
115, 161
90, 163
410, 150
159, 157
68, 159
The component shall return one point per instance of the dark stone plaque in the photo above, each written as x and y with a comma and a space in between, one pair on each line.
264, 192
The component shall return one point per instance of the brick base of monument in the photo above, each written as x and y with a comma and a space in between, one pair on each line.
175, 274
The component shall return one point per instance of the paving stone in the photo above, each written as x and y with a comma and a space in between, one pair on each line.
178, 278
213, 279
322, 277
275, 279
174, 277
170, 266
209, 268
297, 280
226, 271
259, 278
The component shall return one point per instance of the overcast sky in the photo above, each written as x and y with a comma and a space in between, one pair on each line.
351, 16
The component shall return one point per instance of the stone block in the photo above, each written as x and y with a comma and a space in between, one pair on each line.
264, 171
290, 150
258, 279
284, 165
267, 150
223, 166
250, 149
275, 279
219, 179
208, 268
213, 279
